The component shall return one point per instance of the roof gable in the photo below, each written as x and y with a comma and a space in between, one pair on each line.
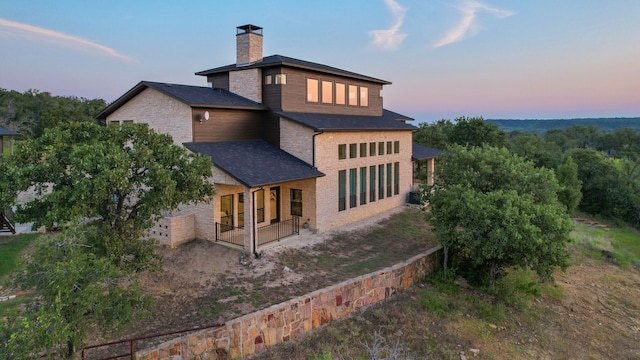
279, 60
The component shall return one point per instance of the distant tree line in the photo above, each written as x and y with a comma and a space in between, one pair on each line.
541, 126
33, 111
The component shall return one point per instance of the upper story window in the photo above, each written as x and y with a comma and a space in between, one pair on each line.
342, 151
353, 95
364, 96
281, 79
341, 91
327, 92
312, 90
353, 151
268, 79
396, 147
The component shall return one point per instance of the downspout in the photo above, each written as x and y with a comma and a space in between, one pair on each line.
313, 147
254, 220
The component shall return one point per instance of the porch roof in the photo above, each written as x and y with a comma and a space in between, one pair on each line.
338, 122
255, 162
423, 152
7, 132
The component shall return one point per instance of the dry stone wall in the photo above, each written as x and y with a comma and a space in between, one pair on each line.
252, 333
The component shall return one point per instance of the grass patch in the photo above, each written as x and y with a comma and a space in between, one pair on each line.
11, 249
626, 243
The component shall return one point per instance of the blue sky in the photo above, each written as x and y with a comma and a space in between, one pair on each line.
493, 58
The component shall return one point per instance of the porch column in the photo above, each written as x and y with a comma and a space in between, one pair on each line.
430, 169
249, 219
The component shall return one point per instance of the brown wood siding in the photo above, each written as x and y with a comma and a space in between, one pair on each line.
294, 95
272, 94
220, 81
231, 125
272, 130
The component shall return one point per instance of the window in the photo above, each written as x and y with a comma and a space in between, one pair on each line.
372, 149
281, 79
327, 92
226, 212
364, 96
342, 185
353, 95
363, 185
240, 210
267, 79
381, 148
396, 178
296, 202
363, 149
340, 93
342, 151
389, 147
380, 181
353, 151
372, 183
353, 187
312, 90
260, 205
396, 147
389, 174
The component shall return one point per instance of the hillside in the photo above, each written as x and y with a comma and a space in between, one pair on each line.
541, 126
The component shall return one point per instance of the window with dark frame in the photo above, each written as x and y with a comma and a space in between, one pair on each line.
353, 95
363, 185
327, 92
226, 212
353, 151
312, 90
341, 93
381, 181
389, 176
372, 149
342, 189
353, 187
396, 147
240, 220
363, 149
389, 147
396, 178
364, 96
381, 148
259, 194
342, 151
372, 183
296, 202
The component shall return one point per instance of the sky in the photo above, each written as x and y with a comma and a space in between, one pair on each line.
536, 59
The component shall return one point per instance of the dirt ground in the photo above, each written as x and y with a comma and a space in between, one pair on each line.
203, 283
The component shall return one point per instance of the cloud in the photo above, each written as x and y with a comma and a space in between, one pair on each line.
467, 25
390, 39
29, 31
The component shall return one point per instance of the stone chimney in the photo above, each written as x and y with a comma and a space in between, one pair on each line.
248, 44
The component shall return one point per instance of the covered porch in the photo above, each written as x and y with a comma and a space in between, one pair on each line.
263, 194
424, 160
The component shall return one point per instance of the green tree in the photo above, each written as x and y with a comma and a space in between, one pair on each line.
570, 192
475, 131
435, 135
533, 147
75, 292
497, 210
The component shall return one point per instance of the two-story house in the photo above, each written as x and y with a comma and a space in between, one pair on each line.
293, 144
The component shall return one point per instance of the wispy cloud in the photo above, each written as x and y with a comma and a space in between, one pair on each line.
390, 39
468, 24
30, 31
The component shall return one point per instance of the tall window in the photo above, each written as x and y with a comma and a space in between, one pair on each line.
381, 148
389, 174
364, 96
296, 202
312, 90
342, 189
259, 205
240, 210
363, 185
353, 151
396, 178
372, 183
340, 93
363, 149
372, 149
327, 92
381, 181
353, 187
396, 147
353, 95
389, 147
342, 151
226, 212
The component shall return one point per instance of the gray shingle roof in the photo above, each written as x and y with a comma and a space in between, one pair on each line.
279, 60
7, 132
255, 162
195, 96
423, 152
332, 122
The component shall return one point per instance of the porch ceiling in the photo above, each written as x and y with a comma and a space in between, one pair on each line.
255, 162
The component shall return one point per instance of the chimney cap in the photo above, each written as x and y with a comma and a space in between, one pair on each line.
249, 29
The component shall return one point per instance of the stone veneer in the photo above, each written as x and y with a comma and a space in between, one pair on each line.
251, 333
174, 230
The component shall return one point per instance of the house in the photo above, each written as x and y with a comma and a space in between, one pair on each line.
294, 144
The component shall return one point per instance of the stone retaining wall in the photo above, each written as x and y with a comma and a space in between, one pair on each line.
251, 333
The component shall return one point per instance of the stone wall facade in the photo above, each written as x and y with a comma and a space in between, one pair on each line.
247, 83
163, 113
174, 230
252, 333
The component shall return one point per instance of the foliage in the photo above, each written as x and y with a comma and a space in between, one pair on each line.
33, 111
75, 290
465, 131
535, 148
11, 248
121, 178
435, 135
570, 193
498, 210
